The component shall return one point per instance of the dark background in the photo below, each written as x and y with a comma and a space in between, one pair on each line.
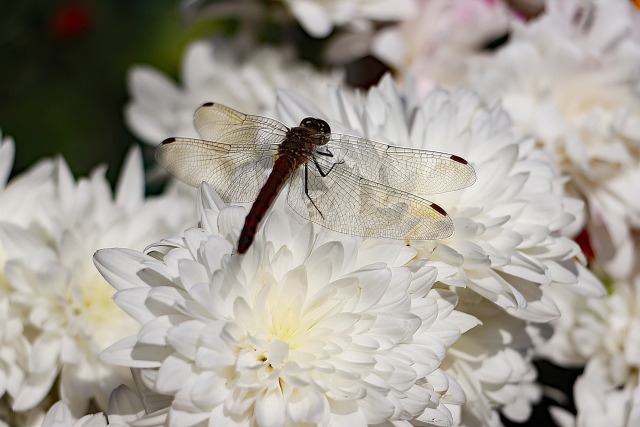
63, 69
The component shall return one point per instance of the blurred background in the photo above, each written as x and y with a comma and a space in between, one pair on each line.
63, 73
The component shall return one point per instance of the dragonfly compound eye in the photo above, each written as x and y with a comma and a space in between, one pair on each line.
316, 126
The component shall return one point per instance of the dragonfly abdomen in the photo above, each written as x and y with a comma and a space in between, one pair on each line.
282, 170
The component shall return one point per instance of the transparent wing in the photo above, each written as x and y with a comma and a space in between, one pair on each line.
408, 169
214, 121
237, 176
343, 202
235, 157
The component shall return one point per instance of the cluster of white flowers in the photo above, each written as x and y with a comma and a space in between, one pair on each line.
508, 247
599, 404
603, 337
571, 80
441, 32
506, 253
312, 327
57, 313
324, 330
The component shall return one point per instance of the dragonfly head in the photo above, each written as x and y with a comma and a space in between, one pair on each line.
317, 127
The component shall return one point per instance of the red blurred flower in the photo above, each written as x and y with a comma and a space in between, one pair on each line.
71, 21
585, 244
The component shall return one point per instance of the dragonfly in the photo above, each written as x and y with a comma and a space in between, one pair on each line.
344, 183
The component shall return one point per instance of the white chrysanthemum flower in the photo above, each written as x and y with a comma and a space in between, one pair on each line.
20, 198
571, 79
579, 330
440, 38
603, 337
604, 333
63, 301
492, 363
301, 329
19, 206
212, 72
507, 247
598, 404
507, 241
319, 17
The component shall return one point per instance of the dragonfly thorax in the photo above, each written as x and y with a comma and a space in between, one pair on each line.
317, 127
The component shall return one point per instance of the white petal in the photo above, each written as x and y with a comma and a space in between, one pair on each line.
119, 267
312, 17
130, 189
126, 353
270, 409
7, 153
172, 374
58, 415
124, 406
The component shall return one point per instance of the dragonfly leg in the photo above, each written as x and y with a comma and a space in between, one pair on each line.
323, 173
323, 153
306, 187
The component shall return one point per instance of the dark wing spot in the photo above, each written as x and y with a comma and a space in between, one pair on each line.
208, 104
458, 159
168, 141
438, 209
